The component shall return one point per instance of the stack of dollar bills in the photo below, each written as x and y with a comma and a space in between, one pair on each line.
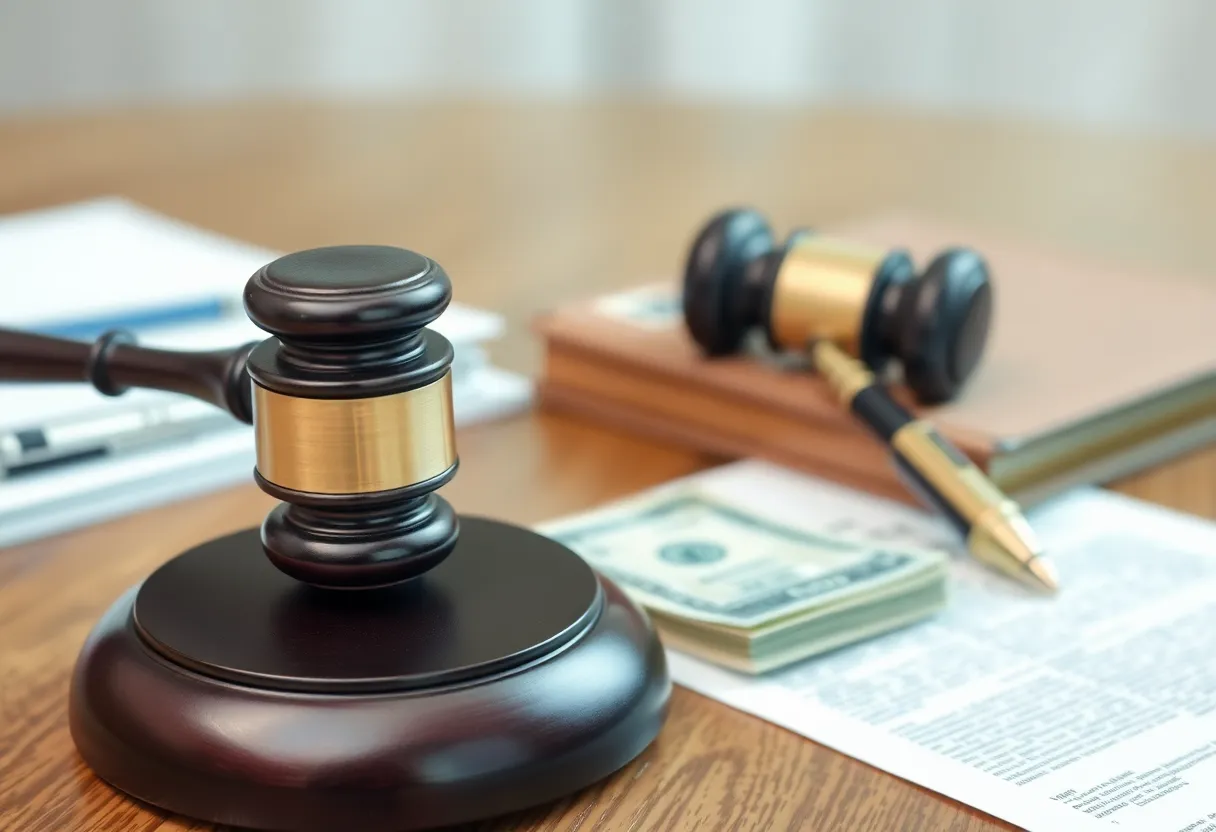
743, 590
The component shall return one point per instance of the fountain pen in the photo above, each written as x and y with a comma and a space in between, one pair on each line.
939, 473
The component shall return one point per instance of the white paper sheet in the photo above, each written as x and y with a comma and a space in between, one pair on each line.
1093, 709
111, 257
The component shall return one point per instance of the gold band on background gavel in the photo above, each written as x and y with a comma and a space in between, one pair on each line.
820, 292
355, 446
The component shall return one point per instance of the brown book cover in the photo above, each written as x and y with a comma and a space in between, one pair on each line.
1085, 363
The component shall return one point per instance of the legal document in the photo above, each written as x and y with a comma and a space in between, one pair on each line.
1091, 709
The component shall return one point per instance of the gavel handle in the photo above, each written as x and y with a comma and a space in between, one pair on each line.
113, 363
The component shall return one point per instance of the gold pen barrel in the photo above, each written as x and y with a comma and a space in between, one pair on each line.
846, 375
995, 529
938, 472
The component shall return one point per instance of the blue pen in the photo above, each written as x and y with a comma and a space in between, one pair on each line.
205, 309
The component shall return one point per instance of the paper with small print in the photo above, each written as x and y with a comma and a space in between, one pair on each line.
1093, 709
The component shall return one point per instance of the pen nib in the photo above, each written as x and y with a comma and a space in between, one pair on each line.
1043, 573
1004, 540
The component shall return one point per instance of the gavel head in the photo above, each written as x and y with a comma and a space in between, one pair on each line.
871, 302
353, 418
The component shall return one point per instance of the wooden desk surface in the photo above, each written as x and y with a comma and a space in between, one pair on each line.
527, 206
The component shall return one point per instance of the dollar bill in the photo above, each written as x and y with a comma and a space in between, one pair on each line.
746, 585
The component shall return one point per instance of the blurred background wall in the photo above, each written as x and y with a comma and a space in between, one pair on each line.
1131, 65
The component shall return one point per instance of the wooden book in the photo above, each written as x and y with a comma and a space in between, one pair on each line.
1091, 373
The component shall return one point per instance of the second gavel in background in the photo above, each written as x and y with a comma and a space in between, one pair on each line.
857, 312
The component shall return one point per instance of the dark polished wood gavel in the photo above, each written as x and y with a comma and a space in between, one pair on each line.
368, 659
350, 402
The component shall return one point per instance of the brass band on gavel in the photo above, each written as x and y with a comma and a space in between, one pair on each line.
821, 290
355, 446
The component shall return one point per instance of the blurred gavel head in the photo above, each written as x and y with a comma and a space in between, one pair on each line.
870, 301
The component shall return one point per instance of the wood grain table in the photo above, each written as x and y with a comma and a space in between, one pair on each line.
528, 205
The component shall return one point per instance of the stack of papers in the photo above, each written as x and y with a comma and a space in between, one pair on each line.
76, 271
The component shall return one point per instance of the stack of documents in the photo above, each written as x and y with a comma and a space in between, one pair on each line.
746, 585
1091, 709
70, 456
